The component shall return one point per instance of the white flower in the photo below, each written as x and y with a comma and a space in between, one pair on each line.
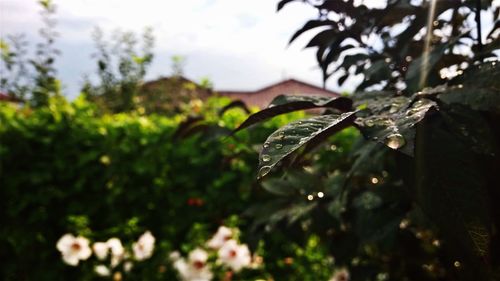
340, 275
102, 270
174, 256
182, 268
73, 249
117, 251
100, 250
116, 247
234, 256
196, 268
143, 248
221, 236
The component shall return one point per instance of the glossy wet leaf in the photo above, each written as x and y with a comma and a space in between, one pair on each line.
291, 137
391, 119
478, 88
285, 104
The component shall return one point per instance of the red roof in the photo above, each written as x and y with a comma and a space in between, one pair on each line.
7, 97
262, 97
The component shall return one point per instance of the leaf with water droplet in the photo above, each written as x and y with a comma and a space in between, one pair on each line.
395, 141
285, 104
266, 158
283, 142
479, 88
392, 125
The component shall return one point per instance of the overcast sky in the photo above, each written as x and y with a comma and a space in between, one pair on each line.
238, 44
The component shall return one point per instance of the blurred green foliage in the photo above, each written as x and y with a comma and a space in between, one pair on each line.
66, 169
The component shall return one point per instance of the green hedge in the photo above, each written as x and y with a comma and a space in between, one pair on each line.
64, 169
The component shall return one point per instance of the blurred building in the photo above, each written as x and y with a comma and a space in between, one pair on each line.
169, 92
263, 97
4, 97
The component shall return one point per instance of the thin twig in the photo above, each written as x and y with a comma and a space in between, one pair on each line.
478, 24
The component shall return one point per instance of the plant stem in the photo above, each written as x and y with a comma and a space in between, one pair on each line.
478, 23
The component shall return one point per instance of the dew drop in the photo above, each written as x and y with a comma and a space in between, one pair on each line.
310, 197
394, 108
266, 145
266, 158
418, 103
278, 146
358, 121
369, 123
395, 141
264, 171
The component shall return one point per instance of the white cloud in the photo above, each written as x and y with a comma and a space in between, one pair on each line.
237, 43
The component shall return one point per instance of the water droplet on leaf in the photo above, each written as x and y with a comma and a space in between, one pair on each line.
266, 158
278, 146
264, 171
395, 141
394, 108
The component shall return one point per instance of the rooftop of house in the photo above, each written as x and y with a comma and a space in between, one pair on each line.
281, 84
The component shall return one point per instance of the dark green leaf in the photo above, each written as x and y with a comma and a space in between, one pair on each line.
323, 38
478, 88
379, 71
282, 4
342, 79
234, 104
285, 104
310, 25
185, 125
420, 69
391, 120
452, 191
278, 186
291, 137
